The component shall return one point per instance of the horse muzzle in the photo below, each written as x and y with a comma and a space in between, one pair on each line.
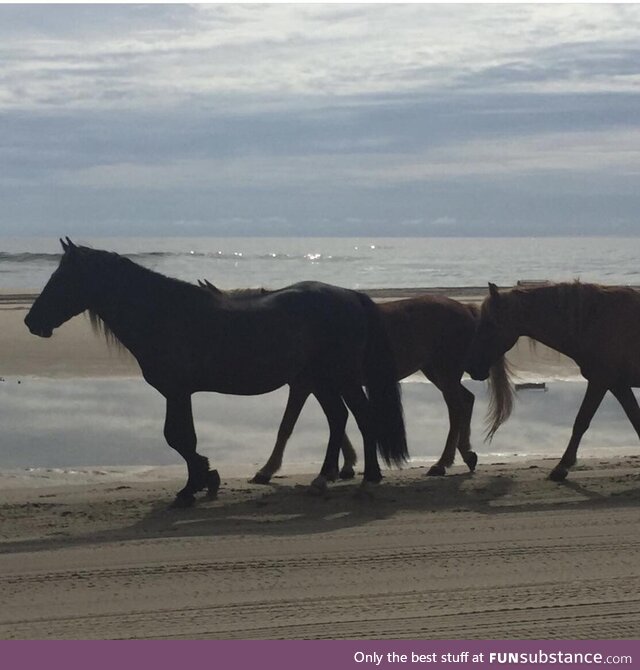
35, 329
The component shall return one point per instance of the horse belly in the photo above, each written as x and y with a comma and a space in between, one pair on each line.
242, 379
247, 372
427, 333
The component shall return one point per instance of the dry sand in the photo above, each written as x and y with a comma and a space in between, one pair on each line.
500, 554
503, 553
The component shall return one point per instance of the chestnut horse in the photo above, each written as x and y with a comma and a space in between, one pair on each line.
428, 333
320, 337
597, 326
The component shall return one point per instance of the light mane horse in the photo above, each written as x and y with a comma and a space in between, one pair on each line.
185, 340
431, 334
597, 326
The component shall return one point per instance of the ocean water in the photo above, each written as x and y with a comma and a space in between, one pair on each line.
27, 263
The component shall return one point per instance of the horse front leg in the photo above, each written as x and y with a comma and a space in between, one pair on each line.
350, 459
464, 441
181, 436
297, 397
590, 403
450, 389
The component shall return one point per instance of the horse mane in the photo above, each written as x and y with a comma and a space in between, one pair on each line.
575, 300
151, 280
101, 329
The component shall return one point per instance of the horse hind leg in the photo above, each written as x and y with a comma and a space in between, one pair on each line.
181, 436
590, 403
295, 402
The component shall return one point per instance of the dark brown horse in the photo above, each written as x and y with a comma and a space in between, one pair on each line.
319, 337
428, 333
597, 326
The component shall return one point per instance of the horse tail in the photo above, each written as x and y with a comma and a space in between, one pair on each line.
501, 394
383, 389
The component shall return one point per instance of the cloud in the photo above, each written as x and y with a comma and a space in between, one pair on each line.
88, 57
246, 111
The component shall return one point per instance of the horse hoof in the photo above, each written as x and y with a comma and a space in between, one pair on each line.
372, 477
260, 478
471, 460
183, 501
558, 474
437, 471
318, 486
347, 473
213, 484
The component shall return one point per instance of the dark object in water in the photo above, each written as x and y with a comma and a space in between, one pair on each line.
532, 386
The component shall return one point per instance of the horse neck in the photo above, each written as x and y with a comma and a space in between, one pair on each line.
129, 299
540, 317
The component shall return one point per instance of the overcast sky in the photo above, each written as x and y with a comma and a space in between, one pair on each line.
319, 119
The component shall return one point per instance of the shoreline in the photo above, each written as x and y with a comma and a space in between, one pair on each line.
19, 481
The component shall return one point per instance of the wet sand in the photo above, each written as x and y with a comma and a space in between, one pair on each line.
502, 553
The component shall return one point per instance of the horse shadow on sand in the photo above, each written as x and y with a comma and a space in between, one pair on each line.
284, 508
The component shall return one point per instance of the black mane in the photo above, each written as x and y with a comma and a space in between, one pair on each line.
149, 288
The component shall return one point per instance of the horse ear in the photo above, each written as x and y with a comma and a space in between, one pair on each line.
68, 245
493, 290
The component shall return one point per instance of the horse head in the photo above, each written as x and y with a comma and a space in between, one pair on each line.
64, 295
494, 335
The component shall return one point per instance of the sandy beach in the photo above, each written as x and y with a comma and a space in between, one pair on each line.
502, 553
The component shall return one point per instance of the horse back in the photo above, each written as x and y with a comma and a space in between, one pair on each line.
428, 331
307, 331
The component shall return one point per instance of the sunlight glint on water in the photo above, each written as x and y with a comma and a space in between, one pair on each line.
354, 263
